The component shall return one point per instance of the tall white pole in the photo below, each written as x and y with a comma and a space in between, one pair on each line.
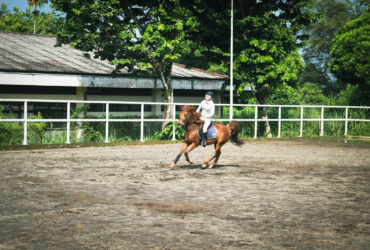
25, 123
231, 59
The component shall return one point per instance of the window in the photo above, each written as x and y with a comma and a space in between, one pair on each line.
15, 108
48, 110
119, 108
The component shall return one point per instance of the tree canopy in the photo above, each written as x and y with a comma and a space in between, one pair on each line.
331, 15
147, 37
23, 21
351, 54
267, 36
140, 35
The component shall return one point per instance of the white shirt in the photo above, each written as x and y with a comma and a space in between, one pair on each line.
207, 108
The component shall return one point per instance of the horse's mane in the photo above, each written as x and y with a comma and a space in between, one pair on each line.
194, 116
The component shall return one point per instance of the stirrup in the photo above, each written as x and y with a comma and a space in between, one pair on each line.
204, 142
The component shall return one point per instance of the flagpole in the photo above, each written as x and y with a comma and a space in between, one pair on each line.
231, 59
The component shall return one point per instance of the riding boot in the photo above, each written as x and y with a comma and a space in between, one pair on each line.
204, 140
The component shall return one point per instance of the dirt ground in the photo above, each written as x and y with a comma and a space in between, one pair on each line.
265, 195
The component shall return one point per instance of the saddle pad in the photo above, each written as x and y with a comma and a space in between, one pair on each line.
211, 133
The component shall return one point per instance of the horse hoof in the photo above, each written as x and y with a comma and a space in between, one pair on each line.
191, 162
211, 166
173, 165
204, 165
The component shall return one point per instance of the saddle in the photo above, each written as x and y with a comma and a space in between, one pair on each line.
211, 132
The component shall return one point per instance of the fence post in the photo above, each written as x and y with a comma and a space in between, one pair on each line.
279, 125
301, 126
231, 112
142, 124
68, 140
322, 121
346, 122
107, 122
255, 121
25, 123
174, 124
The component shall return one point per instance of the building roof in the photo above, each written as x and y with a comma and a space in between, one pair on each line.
36, 53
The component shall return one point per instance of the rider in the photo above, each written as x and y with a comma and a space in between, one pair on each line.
208, 110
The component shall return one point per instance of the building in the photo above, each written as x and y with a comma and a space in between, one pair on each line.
32, 68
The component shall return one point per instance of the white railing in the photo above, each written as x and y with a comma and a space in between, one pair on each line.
142, 119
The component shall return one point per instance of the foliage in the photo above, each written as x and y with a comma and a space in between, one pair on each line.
137, 35
23, 21
36, 129
11, 133
285, 94
348, 96
266, 39
331, 15
312, 94
167, 132
351, 55
310, 128
34, 4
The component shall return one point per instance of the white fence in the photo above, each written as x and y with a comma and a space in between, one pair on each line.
142, 119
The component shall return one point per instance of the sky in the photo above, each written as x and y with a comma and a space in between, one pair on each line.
22, 4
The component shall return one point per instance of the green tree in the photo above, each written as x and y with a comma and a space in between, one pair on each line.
34, 4
351, 55
331, 15
311, 93
23, 21
267, 36
140, 35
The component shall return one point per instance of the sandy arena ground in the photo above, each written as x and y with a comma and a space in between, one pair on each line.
266, 195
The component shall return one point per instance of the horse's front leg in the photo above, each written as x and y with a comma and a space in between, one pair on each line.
192, 146
184, 146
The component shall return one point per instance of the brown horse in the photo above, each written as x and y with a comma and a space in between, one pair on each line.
190, 120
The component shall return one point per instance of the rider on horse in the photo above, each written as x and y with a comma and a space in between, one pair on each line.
208, 110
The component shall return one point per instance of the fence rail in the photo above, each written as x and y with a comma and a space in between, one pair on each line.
142, 119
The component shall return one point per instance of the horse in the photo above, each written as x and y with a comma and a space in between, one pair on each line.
190, 120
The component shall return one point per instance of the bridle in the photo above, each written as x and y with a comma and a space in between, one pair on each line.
186, 121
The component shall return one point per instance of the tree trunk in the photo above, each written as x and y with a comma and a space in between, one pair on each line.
263, 113
165, 75
169, 108
267, 128
34, 20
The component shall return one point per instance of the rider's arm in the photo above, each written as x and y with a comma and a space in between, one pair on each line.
212, 112
200, 107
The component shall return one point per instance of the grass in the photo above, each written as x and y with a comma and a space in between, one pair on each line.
324, 139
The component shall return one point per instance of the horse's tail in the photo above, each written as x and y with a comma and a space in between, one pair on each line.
235, 129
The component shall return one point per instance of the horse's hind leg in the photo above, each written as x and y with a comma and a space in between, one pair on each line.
217, 155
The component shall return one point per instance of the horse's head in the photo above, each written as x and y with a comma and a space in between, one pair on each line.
188, 115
